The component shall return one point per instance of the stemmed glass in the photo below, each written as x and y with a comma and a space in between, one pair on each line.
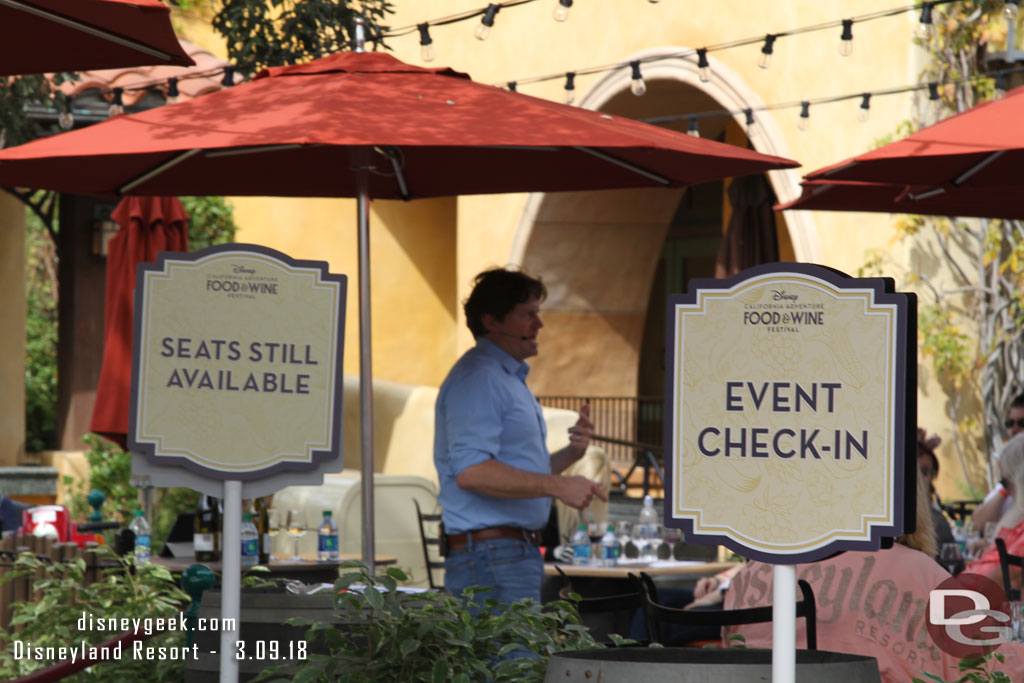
296, 526
655, 540
950, 557
274, 517
672, 536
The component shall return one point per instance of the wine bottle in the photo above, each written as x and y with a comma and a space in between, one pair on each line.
206, 539
261, 518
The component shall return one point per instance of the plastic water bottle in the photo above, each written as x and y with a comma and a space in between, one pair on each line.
140, 527
610, 548
250, 542
327, 538
581, 546
644, 534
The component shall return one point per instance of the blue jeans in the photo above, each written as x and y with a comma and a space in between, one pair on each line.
512, 568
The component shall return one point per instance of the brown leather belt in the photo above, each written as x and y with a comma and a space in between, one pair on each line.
460, 541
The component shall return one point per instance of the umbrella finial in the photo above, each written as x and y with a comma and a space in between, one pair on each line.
360, 35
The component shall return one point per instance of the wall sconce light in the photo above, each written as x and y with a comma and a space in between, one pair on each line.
103, 229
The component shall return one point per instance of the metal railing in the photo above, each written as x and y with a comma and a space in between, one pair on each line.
624, 423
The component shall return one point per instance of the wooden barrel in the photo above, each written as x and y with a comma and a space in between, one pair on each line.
264, 638
703, 665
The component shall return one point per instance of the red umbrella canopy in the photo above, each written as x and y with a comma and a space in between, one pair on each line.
38, 36
979, 202
431, 132
149, 225
983, 146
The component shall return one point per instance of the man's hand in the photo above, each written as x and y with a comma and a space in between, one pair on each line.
577, 492
706, 585
581, 432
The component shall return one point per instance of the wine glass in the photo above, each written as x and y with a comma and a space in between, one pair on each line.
950, 557
274, 517
595, 532
657, 531
642, 539
296, 526
672, 536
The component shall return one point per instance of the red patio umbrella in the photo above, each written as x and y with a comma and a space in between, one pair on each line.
38, 36
979, 202
149, 225
980, 147
367, 125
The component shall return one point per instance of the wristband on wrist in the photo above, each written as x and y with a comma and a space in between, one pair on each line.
1003, 492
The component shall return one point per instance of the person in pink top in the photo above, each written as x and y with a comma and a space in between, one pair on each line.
868, 603
1011, 526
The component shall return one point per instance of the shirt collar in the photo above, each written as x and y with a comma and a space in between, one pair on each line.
520, 368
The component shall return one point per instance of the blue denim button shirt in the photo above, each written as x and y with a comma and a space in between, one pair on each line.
485, 410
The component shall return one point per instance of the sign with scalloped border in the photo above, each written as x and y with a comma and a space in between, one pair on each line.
791, 412
237, 362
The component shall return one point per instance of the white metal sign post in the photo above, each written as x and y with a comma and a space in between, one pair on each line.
786, 380
236, 384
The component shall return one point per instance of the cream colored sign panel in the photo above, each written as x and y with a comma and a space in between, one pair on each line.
787, 418
237, 362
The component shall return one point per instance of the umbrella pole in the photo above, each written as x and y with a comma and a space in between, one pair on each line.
365, 371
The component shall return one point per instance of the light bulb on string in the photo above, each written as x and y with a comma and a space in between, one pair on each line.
846, 39
562, 10
637, 85
483, 29
703, 68
172, 90
117, 104
66, 119
1010, 9
427, 52
654, 2
512, 85
765, 60
805, 116
570, 87
864, 111
229, 76
693, 130
925, 29
934, 99
749, 115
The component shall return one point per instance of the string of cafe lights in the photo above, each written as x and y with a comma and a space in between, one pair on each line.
637, 85
924, 31
999, 76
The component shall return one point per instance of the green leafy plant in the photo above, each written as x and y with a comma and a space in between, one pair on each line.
387, 635
40, 337
973, 670
261, 33
124, 591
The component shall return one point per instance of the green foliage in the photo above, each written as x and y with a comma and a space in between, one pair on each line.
110, 471
125, 591
392, 636
973, 670
211, 221
40, 337
16, 93
261, 33
948, 346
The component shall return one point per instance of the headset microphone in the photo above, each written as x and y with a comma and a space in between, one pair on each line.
514, 336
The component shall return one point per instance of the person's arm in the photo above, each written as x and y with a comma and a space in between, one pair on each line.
990, 509
496, 479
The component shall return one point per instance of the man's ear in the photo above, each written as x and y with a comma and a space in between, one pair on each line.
488, 321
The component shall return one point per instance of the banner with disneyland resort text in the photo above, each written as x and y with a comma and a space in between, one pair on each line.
791, 406
237, 362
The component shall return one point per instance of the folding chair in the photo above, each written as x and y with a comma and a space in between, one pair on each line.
430, 541
1005, 560
604, 614
656, 614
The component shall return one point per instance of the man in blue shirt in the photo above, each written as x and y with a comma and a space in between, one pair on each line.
497, 477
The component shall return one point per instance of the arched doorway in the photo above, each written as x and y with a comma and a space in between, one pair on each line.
609, 258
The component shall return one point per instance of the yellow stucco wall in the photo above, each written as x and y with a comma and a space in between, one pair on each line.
425, 253
12, 322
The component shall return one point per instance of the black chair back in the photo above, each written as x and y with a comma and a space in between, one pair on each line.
656, 614
1005, 560
429, 541
604, 613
